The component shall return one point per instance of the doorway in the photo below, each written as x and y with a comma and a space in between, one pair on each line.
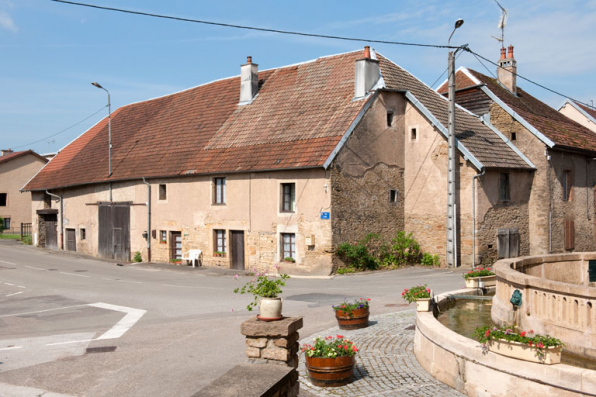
71, 240
114, 231
237, 249
175, 245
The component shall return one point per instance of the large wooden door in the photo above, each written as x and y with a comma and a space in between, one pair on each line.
114, 231
71, 240
237, 250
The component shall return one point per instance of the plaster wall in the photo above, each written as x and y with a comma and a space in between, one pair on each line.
577, 116
14, 174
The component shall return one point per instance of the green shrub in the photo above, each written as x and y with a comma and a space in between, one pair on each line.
27, 240
357, 256
1, 224
430, 260
346, 270
403, 249
137, 257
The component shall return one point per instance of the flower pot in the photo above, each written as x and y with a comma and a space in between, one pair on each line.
270, 309
520, 351
423, 304
330, 372
353, 319
489, 281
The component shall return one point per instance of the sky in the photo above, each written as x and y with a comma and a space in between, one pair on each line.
50, 52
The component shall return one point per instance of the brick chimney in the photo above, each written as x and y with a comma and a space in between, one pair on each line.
506, 73
4, 152
367, 74
249, 81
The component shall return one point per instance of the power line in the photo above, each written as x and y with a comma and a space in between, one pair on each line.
227, 25
64, 130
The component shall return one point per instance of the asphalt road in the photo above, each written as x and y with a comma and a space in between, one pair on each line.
164, 330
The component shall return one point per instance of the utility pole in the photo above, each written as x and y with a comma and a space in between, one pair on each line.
451, 179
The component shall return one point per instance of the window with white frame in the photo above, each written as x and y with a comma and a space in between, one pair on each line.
221, 245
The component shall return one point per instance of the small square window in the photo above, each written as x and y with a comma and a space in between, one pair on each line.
82, 233
163, 193
393, 196
288, 197
288, 246
389, 119
219, 190
163, 236
413, 134
221, 246
3, 199
504, 187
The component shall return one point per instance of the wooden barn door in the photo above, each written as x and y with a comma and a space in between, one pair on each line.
114, 231
237, 250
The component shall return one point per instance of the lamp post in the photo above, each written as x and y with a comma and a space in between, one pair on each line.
451, 191
109, 134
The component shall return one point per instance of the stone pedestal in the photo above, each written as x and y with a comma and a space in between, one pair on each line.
274, 343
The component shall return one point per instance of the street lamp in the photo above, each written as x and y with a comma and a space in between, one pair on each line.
109, 134
451, 210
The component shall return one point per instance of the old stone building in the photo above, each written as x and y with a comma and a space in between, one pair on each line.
276, 167
556, 204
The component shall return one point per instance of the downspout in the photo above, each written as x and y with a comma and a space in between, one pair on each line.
474, 216
61, 218
149, 235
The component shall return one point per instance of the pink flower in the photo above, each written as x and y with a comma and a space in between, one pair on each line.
236, 277
403, 293
346, 347
232, 309
523, 334
428, 290
531, 331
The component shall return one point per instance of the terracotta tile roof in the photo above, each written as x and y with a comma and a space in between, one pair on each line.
296, 121
557, 127
479, 139
14, 155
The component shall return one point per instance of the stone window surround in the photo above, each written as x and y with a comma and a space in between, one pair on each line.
218, 189
292, 241
280, 211
220, 240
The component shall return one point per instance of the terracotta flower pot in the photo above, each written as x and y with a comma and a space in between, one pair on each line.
353, 319
270, 309
330, 372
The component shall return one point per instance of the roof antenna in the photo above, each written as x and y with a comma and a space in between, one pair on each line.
502, 24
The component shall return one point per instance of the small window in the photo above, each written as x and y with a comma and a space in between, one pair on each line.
163, 193
288, 246
413, 134
3, 199
163, 236
82, 233
567, 185
6, 223
288, 197
221, 246
393, 196
504, 187
569, 235
219, 190
389, 119
513, 136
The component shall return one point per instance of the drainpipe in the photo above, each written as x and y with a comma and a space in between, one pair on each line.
61, 218
148, 220
474, 216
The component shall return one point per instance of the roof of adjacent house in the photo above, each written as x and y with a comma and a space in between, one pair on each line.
556, 129
587, 111
297, 120
11, 156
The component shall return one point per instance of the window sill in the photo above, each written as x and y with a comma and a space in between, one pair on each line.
218, 204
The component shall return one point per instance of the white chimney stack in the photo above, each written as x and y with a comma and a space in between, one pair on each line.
249, 81
367, 74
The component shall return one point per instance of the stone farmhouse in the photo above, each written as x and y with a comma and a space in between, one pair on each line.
555, 206
282, 163
16, 169
580, 113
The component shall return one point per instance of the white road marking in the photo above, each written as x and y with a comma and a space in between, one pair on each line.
132, 282
8, 263
69, 342
16, 293
20, 286
36, 268
132, 316
12, 348
41, 311
72, 274
111, 279
9, 284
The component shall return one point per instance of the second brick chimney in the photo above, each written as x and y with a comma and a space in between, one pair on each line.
507, 70
249, 81
367, 74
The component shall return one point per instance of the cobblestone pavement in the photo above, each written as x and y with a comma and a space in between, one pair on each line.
385, 364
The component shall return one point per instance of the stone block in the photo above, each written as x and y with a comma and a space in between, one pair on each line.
285, 342
275, 353
253, 352
256, 342
281, 328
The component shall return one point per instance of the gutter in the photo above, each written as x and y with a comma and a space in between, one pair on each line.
149, 220
61, 218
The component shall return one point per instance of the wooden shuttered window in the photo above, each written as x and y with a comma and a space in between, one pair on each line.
569, 235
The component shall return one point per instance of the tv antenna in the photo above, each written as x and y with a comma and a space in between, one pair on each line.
502, 24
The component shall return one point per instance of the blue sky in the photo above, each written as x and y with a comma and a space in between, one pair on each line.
50, 52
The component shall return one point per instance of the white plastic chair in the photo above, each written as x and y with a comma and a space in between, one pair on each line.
193, 255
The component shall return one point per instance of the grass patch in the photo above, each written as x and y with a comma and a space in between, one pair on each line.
10, 236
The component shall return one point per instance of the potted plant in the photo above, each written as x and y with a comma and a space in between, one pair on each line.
265, 291
289, 259
330, 361
176, 261
526, 346
420, 294
353, 315
220, 254
480, 277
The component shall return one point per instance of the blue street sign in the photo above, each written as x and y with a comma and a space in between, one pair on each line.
324, 215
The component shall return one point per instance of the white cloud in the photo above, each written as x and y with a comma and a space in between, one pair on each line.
6, 22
